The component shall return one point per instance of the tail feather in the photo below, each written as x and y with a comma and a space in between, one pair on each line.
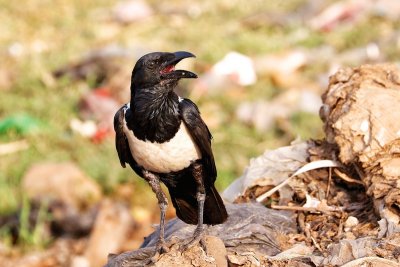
186, 206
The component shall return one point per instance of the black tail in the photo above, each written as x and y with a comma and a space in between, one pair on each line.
183, 198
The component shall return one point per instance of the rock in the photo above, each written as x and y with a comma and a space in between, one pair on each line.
216, 249
61, 182
196, 256
111, 228
250, 227
350, 223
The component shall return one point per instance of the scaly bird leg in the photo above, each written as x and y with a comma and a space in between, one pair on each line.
154, 182
198, 234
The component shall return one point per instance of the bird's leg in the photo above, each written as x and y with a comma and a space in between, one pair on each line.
198, 234
154, 182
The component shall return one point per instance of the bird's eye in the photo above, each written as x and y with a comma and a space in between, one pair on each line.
151, 64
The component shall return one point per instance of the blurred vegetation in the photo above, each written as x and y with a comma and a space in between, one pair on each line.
40, 36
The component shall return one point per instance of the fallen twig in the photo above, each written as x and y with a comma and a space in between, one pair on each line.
309, 236
321, 208
295, 208
316, 244
329, 183
345, 177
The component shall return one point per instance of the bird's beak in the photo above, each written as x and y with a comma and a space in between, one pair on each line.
168, 68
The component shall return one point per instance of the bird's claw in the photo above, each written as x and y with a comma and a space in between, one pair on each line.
161, 248
198, 237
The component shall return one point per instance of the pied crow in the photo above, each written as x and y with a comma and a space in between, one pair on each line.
164, 139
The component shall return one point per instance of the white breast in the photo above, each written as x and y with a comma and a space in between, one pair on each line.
174, 155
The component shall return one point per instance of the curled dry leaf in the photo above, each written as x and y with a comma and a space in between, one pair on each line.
361, 116
268, 171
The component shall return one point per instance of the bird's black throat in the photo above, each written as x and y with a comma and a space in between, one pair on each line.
154, 113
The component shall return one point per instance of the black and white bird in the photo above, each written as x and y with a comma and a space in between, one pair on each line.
164, 139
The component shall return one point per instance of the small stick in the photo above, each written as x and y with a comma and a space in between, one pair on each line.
345, 177
320, 208
308, 235
329, 183
316, 244
301, 220
295, 208
340, 228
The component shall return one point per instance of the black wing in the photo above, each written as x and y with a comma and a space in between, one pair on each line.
121, 142
201, 135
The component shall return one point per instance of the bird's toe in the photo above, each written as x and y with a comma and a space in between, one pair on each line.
162, 248
197, 238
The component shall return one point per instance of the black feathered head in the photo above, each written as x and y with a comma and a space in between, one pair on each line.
159, 67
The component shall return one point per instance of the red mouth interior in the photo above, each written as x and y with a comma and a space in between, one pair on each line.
168, 69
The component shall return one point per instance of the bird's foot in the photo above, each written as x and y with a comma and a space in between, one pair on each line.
161, 248
197, 238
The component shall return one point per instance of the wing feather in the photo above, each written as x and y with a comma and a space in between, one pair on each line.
121, 142
201, 135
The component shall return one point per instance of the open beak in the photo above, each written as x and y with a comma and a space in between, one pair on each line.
168, 68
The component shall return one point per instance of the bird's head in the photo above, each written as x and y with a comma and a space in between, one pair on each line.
159, 68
